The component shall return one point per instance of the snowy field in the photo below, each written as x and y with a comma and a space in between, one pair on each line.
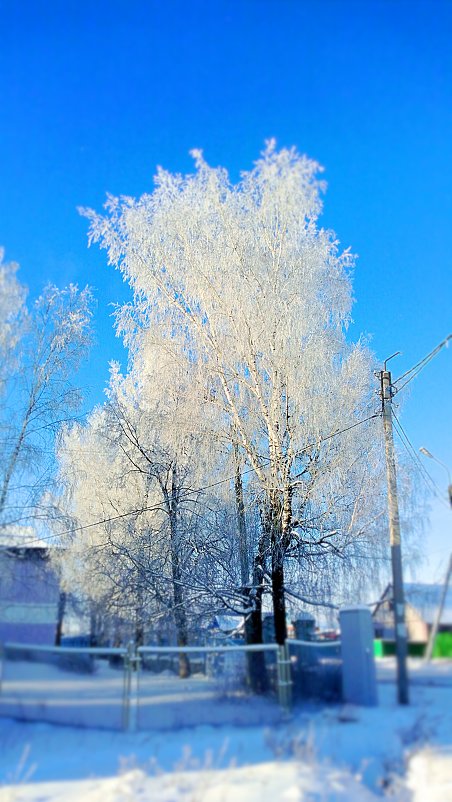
323, 754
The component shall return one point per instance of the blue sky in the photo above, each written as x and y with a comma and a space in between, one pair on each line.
95, 94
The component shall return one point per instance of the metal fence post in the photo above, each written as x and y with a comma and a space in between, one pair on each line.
278, 677
135, 691
284, 678
288, 667
128, 665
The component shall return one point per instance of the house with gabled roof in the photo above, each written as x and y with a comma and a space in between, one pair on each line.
29, 589
421, 606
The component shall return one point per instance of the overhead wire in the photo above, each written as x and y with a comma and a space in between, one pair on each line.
71, 531
416, 369
429, 481
409, 375
411, 451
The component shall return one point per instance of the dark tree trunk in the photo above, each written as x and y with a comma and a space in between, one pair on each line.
139, 632
241, 521
257, 672
281, 523
279, 602
60, 617
180, 621
93, 628
180, 618
257, 675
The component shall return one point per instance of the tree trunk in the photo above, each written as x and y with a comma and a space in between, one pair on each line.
180, 618
139, 612
241, 521
281, 523
279, 602
93, 628
60, 617
180, 621
257, 672
139, 630
12, 462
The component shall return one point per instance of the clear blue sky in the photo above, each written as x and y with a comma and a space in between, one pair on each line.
95, 94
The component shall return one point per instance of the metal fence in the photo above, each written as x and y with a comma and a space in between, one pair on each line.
223, 684
316, 670
166, 687
84, 687
143, 689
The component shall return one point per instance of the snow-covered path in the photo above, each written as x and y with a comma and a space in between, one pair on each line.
329, 754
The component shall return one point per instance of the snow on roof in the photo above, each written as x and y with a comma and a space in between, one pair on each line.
21, 537
229, 623
426, 599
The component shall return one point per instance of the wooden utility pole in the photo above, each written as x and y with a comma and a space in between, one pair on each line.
394, 536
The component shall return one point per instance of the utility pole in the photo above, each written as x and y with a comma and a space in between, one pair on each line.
439, 612
437, 621
394, 537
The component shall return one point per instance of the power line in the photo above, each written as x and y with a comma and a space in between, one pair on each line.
414, 455
432, 486
411, 451
193, 492
341, 431
334, 434
416, 369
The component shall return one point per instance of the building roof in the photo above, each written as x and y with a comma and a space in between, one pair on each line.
426, 600
21, 537
230, 623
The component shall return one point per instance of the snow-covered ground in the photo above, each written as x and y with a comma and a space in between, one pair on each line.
323, 754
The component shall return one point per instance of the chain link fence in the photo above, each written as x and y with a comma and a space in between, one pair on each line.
316, 670
84, 687
145, 688
166, 687
180, 687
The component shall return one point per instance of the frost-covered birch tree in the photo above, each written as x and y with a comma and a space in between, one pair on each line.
12, 318
41, 347
113, 535
136, 468
248, 290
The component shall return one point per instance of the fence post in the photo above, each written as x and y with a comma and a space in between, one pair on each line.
128, 666
284, 678
135, 691
288, 665
278, 677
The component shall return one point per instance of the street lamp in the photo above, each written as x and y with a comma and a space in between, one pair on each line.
428, 454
